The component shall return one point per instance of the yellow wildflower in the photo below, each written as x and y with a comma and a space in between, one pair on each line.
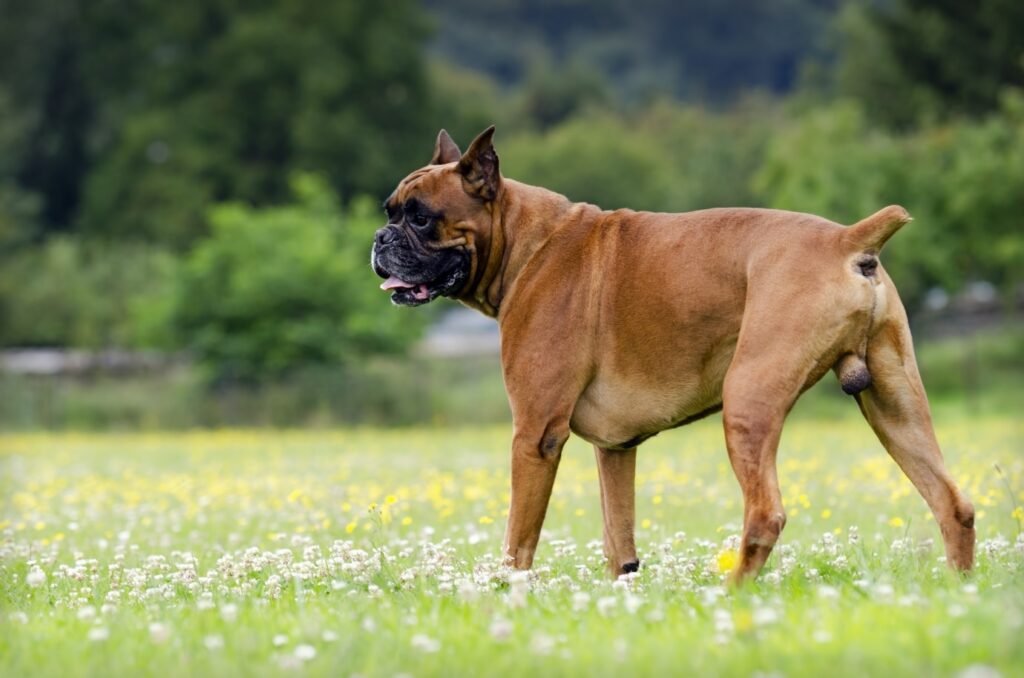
727, 559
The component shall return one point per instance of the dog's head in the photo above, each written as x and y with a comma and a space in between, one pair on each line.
439, 221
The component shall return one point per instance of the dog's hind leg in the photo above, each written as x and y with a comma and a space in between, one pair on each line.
756, 397
782, 349
753, 425
617, 472
896, 406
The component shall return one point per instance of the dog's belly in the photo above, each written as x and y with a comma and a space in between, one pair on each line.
620, 410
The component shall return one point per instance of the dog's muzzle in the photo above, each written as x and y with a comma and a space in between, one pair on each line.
415, 276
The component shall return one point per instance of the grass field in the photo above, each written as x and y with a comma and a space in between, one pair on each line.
376, 553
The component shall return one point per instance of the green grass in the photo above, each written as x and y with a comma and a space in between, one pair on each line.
258, 553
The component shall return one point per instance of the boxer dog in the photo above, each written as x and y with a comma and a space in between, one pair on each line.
617, 325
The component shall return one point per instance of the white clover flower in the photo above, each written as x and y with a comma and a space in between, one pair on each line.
828, 592
425, 643
87, 612
305, 652
467, 590
765, 615
980, 671
723, 621
606, 604
580, 601
329, 636
501, 629
159, 633
280, 640
542, 644
272, 587
229, 612
213, 642
18, 617
98, 634
883, 591
35, 577
519, 587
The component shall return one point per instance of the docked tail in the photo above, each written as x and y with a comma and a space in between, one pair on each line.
869, 234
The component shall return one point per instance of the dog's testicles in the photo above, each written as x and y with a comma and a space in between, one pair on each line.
853, 374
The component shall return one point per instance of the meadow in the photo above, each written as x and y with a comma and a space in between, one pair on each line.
376, 552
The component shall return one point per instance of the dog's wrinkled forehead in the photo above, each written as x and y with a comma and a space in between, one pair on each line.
436, 188
412, 190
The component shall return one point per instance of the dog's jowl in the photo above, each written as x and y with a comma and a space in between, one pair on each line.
617, 325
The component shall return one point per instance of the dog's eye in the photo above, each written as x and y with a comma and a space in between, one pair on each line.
418, 220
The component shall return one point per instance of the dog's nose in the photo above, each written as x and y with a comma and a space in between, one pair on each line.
384, 236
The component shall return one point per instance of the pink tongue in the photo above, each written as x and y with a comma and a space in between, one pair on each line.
418, 291
394, 282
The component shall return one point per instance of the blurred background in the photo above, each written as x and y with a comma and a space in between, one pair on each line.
188, 190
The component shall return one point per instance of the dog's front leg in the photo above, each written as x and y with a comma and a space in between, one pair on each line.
536, 452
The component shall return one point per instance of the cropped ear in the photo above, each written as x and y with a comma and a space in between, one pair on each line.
445, 150
479, 166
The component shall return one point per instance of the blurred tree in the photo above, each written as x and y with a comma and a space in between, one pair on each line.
714, 154
132, 117
689, 48
969, 179
914, 60
600, 160
963, 183
278, 287
466, 102
71, 292
664, 157
551, 94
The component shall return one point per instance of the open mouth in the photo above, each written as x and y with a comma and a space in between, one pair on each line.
408, 288
406, 292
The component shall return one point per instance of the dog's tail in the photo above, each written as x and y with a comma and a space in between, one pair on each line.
869, 234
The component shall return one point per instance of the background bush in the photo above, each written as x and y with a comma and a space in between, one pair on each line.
274, 288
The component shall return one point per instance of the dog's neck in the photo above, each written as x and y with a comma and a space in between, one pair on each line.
523, 218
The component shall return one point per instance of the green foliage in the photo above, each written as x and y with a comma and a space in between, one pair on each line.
466, 102
129, 120
277, 287
596, 160
703, 51
962, 183
972, 176
663, 158
914, 60
75, 292
550, 94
